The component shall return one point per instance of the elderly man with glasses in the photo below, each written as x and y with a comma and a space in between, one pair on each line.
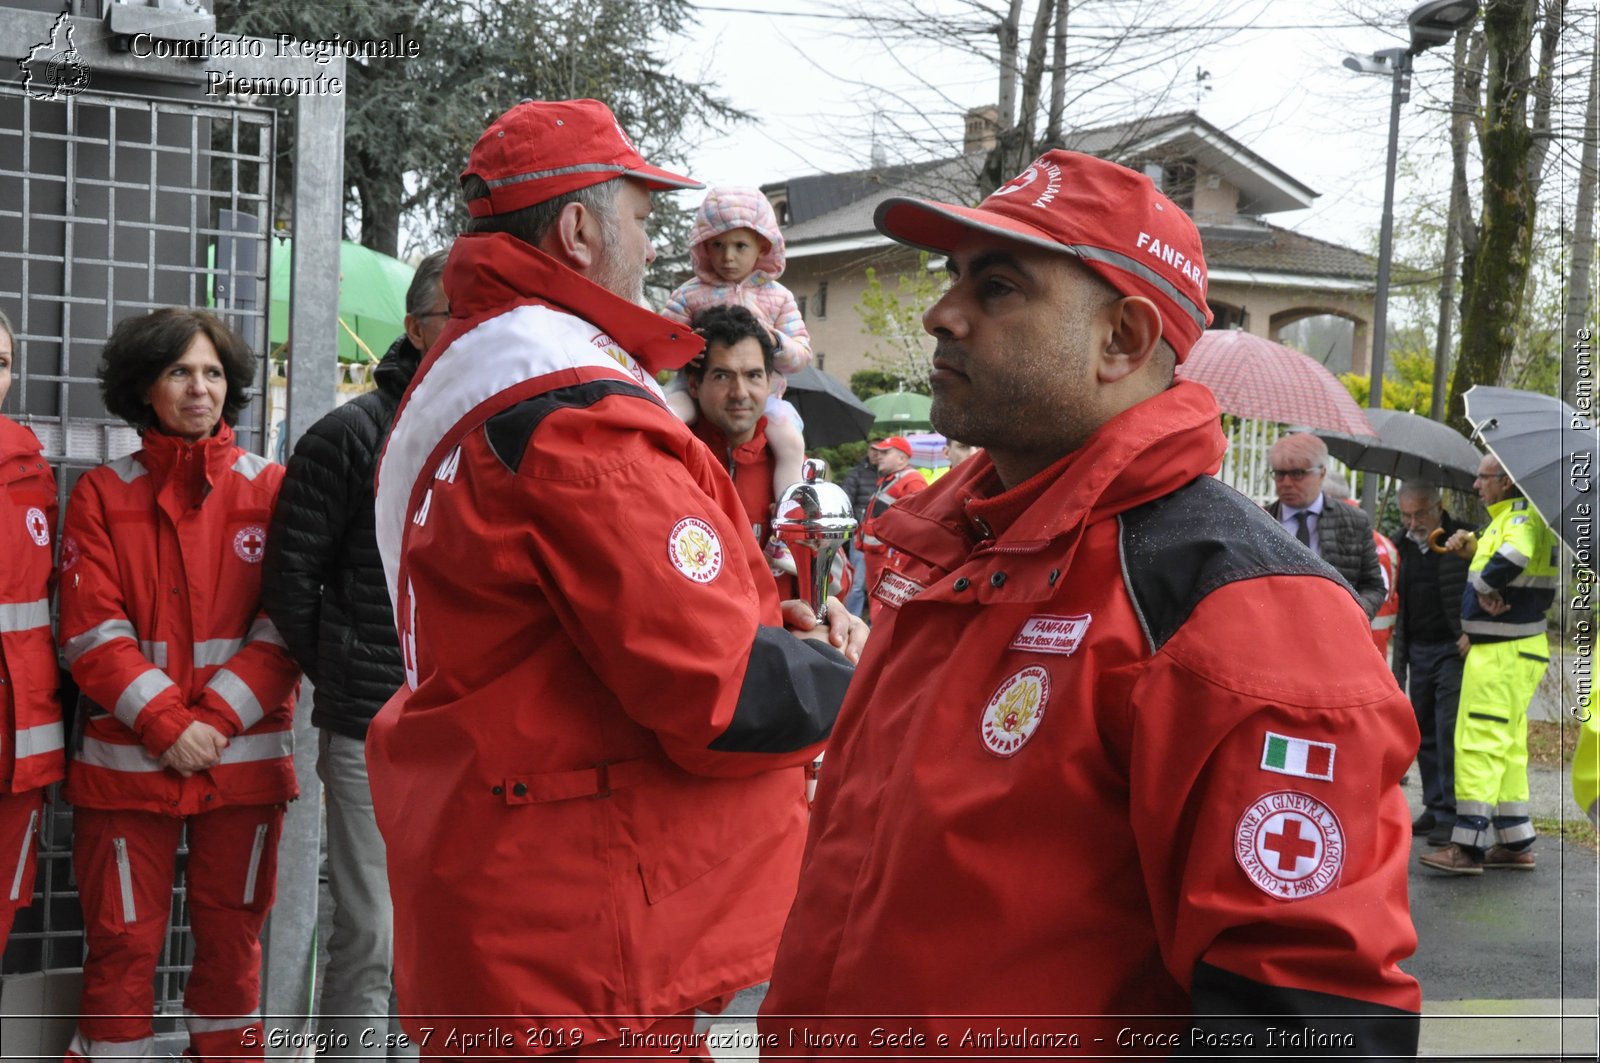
1339, 534
1429, 649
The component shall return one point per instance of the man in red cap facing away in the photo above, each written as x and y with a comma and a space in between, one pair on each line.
591, 785
1118, 771
896, 480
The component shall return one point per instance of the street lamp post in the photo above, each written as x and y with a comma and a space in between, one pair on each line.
1432, 23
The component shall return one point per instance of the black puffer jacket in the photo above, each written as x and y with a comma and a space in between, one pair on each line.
860, 483
323, 582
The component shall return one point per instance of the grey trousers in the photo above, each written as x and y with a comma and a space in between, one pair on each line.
357, 995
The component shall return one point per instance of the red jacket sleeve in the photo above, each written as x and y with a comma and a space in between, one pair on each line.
259, 677
99, 640
651, 567
1253, 800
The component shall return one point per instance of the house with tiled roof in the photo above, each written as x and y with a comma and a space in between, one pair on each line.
1263, 277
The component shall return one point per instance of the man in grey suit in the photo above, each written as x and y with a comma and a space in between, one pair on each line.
1340, 534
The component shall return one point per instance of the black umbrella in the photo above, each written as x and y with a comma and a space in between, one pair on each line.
1408, 447
1549, 451
832, 413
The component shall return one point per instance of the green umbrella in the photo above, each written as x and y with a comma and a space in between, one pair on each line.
372, 300
897, 410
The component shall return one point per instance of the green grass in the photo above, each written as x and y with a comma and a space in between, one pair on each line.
1574, 829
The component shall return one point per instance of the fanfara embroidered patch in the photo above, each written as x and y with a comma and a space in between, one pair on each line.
1015, 711
250, 543
1290, 845
69, 552
1298, 756
38, 525
1052, 634
895, 589
695, 550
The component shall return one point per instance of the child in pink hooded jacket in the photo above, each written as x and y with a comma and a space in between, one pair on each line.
737, 252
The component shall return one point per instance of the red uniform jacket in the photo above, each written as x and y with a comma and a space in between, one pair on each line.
162, 625
590, 787
1087, 768
30, 715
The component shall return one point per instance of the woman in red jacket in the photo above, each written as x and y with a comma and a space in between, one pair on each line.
30, 715
191, 686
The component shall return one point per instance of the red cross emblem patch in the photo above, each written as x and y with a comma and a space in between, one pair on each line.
38, 526
1290, 845
250, 543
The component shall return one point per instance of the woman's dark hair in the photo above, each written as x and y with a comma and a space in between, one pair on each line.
140, 349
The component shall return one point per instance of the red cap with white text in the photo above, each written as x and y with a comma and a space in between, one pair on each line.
541, 149
1113, 219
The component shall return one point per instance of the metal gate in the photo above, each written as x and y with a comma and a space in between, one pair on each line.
111, 205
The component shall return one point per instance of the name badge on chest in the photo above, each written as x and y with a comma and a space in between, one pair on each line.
1049, 633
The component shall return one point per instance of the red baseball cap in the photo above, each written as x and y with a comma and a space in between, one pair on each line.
894, 443
1111, 218
541, 149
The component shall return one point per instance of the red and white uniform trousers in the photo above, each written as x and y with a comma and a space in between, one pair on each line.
125, 866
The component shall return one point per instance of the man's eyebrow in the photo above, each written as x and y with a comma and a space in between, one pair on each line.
997, 259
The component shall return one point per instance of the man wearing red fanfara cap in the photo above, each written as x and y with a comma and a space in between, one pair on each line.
591, 785
1118, 772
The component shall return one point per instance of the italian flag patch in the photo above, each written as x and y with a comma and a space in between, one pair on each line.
1296, 756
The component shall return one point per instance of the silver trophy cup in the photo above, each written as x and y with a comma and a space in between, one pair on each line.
814, 520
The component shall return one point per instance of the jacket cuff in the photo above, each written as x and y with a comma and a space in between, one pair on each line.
157, 732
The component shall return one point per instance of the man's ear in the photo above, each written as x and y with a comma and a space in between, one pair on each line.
693, 385
1135, 327
574, 239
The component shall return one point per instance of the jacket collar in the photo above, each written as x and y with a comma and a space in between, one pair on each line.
489, 273
17, 442
399, 365
746, 453
184, 473
1140, 455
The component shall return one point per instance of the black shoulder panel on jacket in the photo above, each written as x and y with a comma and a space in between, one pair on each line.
509, 430
1205, 535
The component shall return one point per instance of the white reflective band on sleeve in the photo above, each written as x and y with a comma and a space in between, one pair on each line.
45, 738
1540, 582
240, 698
210, 1024
255, 864
103, 754
22, 857
24, 616
215, 651
1512, 554
102, 633
264, 630
1383, 623
1478, 583
140, 692
155, 653
269, 746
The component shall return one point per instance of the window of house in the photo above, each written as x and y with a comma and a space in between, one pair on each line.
800, 301
821, 358
822, 300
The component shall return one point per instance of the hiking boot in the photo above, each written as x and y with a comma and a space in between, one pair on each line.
1452, 860
1501, 858
1423, 823
1439, 836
